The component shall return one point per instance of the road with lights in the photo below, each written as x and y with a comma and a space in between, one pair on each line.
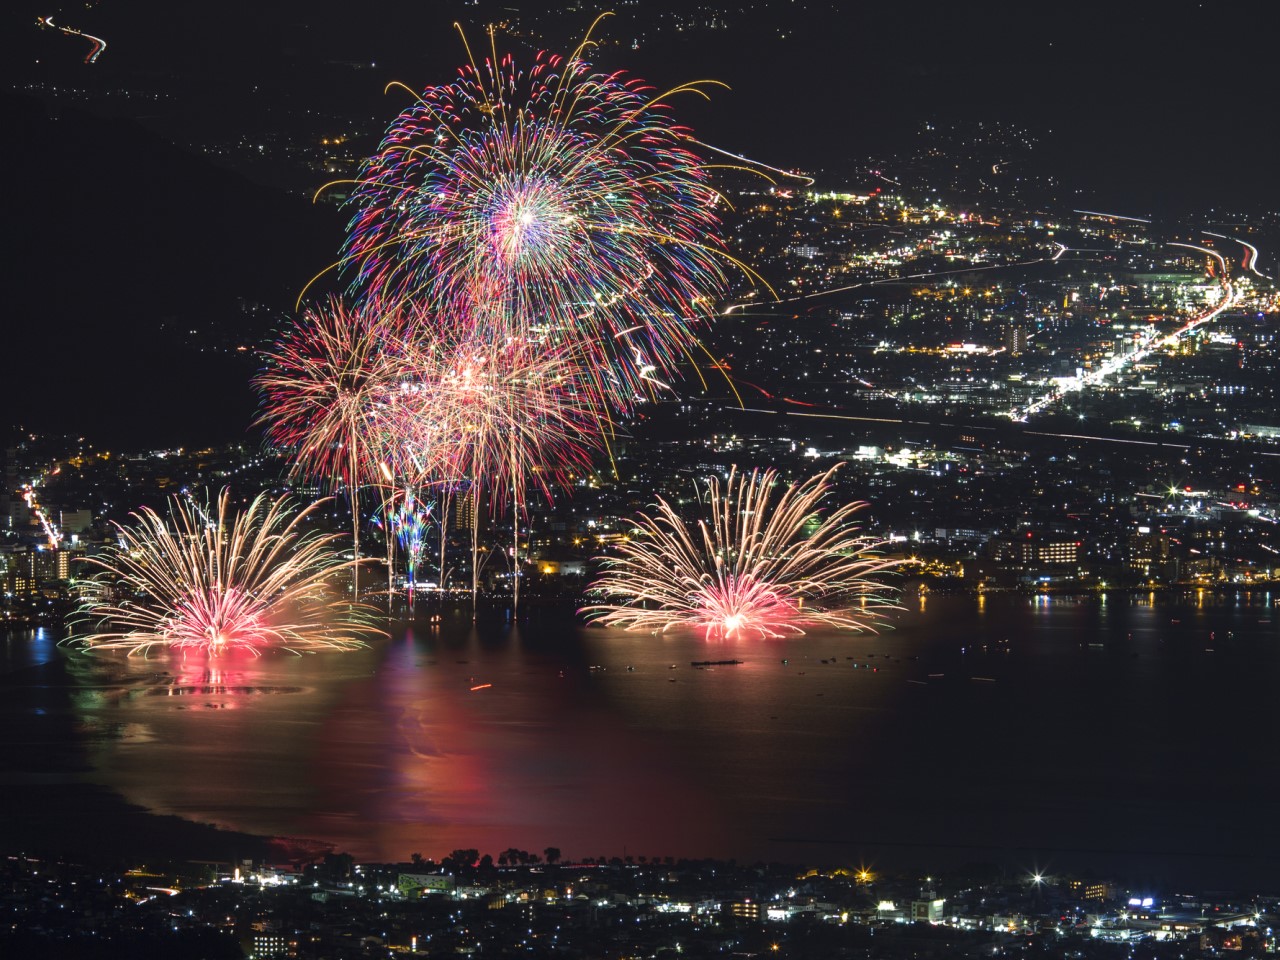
98, 44
1114, 366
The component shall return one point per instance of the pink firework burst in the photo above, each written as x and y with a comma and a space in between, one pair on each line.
320, 384
245, 581
494, 414
320, 387
755, 564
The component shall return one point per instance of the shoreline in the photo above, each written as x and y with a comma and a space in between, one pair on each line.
498, 605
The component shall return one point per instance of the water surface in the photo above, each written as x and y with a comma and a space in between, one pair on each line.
1124, 736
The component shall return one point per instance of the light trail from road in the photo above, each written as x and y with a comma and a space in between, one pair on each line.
50, 531
1090, 436
808, 181
1229, 300
1250, 261
850, 417
200, 511
98, 44
1211, 252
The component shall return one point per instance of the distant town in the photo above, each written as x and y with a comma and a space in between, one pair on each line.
523, 904
1030, 393
1075, 401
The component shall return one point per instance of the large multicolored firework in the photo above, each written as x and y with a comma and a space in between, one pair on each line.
757, 564
531, 251
245, 581
549, 198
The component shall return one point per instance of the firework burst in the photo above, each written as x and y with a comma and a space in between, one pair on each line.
491, 414
757, 564
320, 386
247, 581
558, 199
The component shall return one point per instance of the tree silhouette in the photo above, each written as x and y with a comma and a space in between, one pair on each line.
461, 860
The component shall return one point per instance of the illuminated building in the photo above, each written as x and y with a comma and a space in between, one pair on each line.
1091, 889
927, 911
744, 909
464, 511
1032, 550
27, 570
1149, 554
1015, 340
267, 945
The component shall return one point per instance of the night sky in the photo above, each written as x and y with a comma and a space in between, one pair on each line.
1166, 103
1158, 107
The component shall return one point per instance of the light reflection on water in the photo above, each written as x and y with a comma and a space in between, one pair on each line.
994, 728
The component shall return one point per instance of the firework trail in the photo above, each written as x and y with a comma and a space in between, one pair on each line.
410, 525
755, 565
552, 199
492, 416
407, 524
249, 581
320, 385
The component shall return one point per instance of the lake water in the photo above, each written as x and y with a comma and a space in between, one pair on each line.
1117, 735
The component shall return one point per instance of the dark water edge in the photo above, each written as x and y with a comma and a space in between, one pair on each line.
1113, 739
45, 807
83, 823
